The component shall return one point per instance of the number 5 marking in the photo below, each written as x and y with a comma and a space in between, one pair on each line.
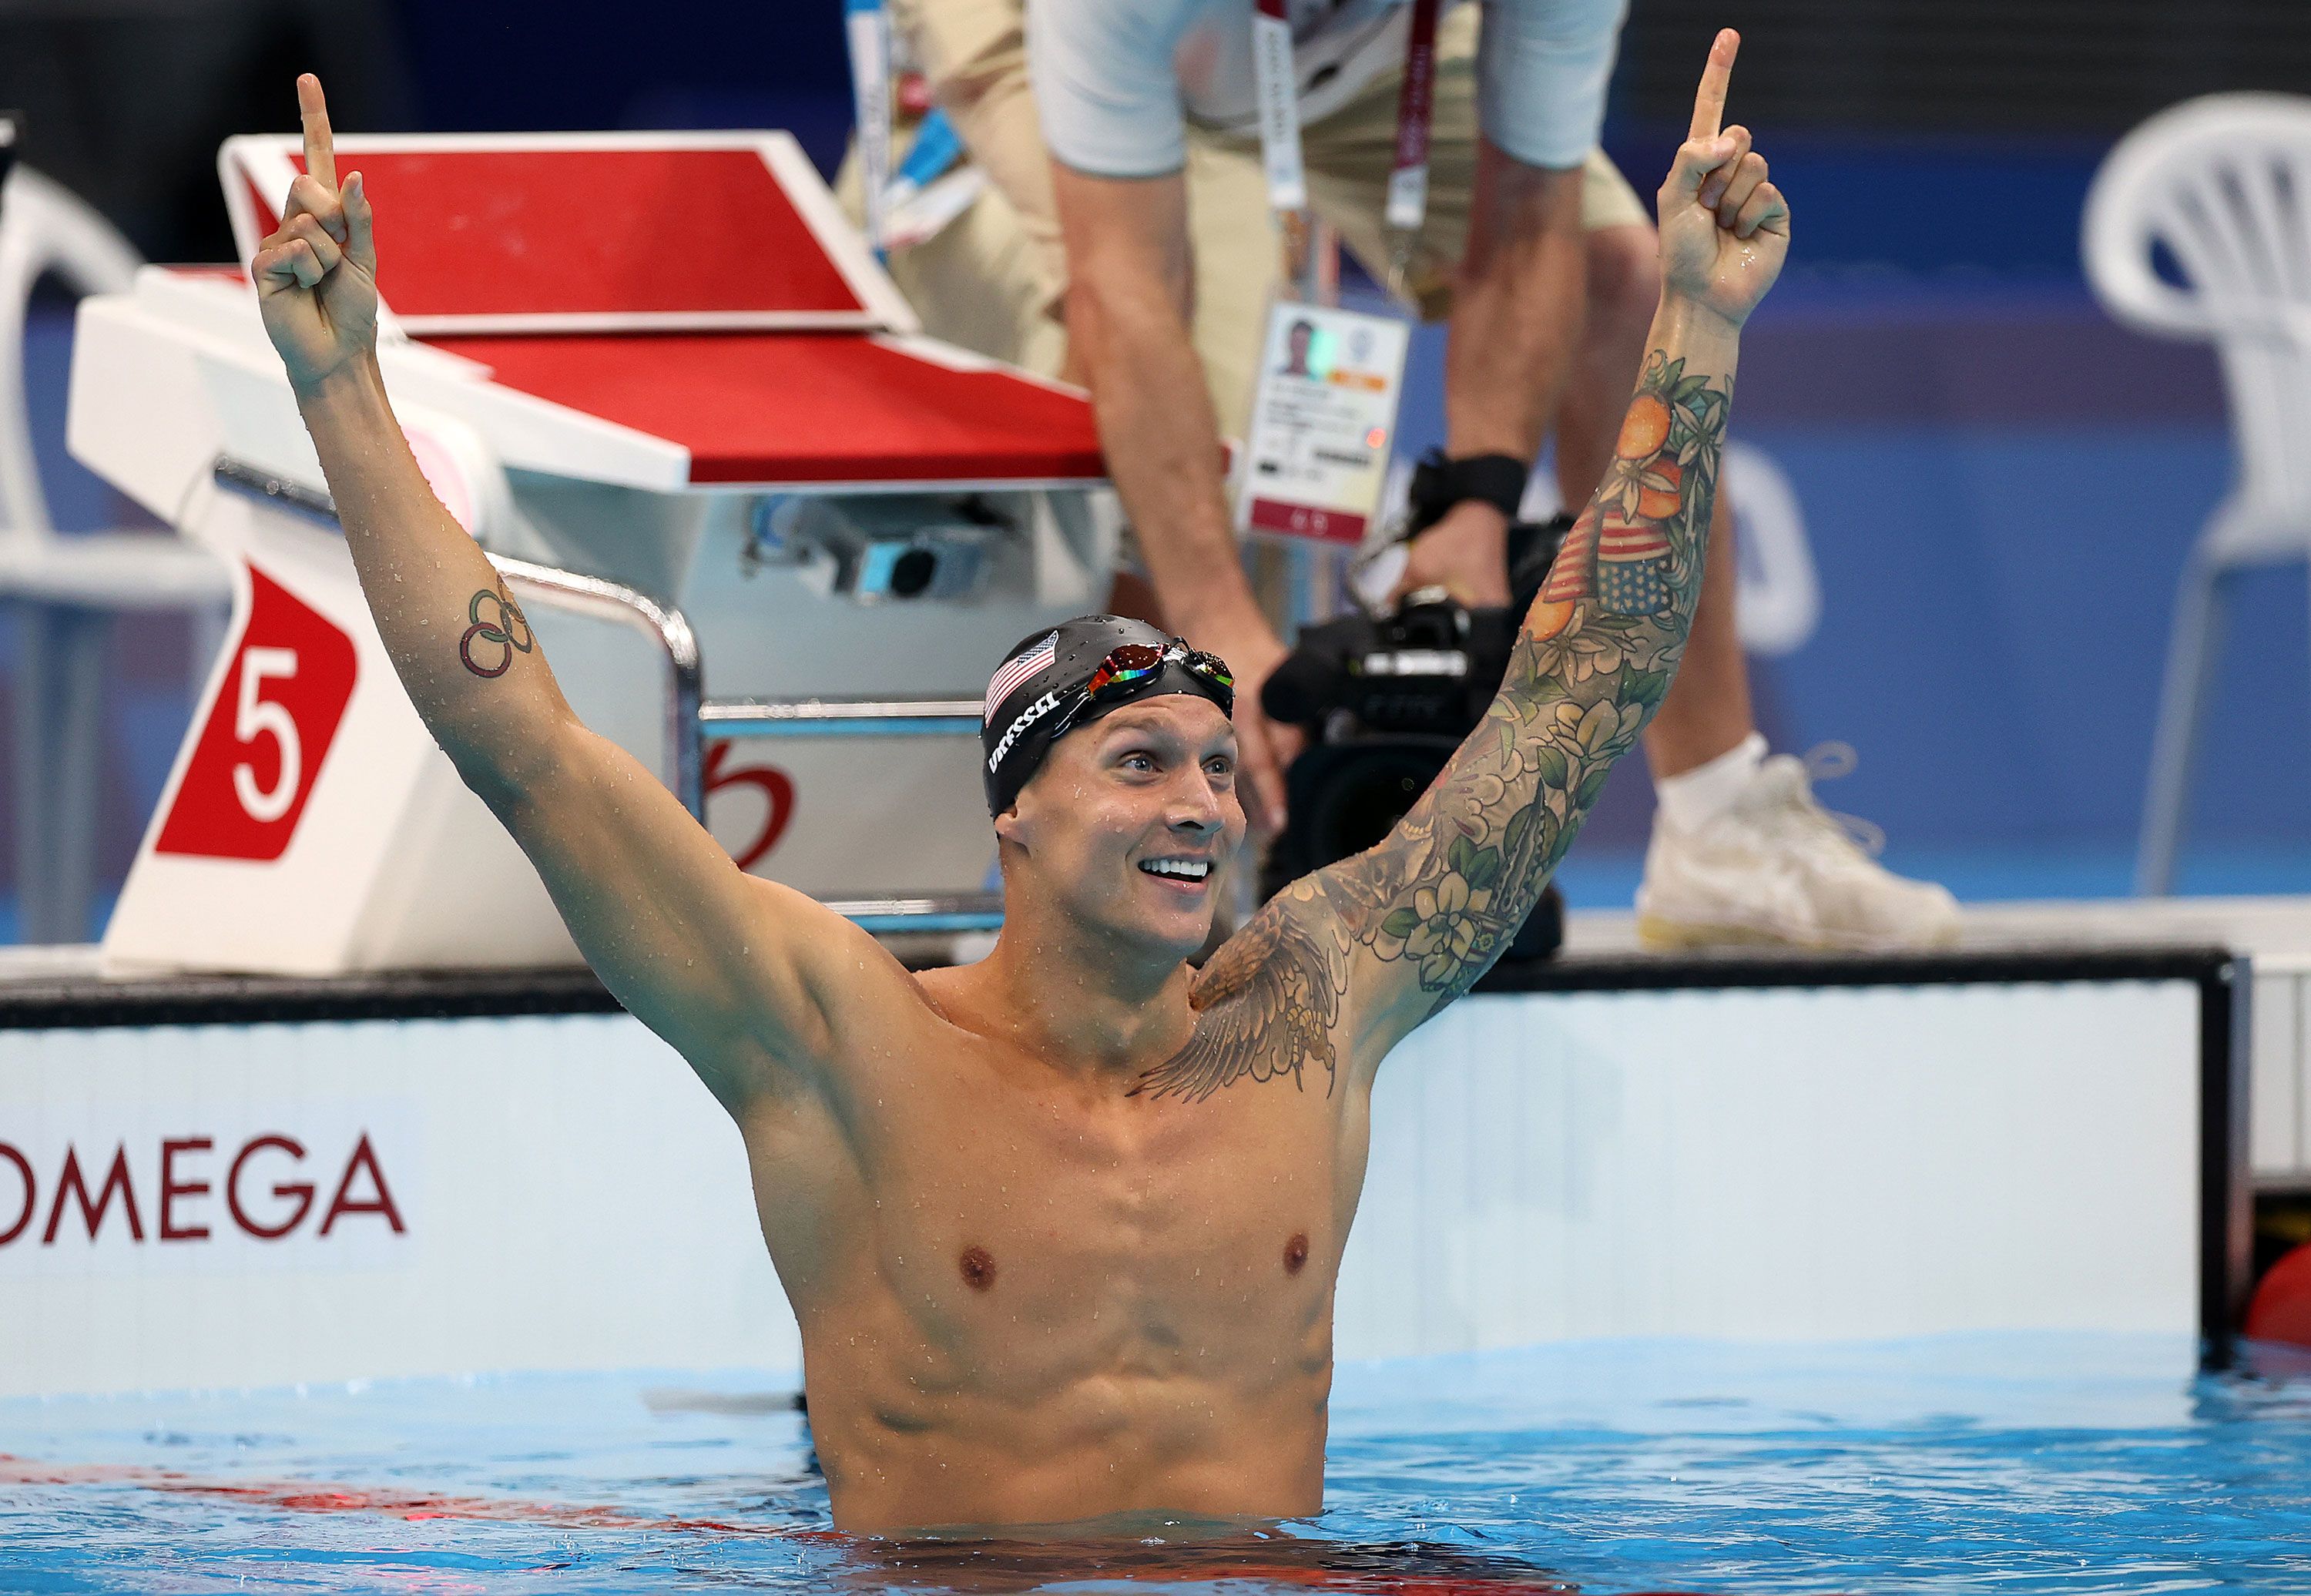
254, 717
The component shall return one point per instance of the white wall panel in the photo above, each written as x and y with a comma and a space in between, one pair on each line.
572, 1198
1843, 1163
1832, 1163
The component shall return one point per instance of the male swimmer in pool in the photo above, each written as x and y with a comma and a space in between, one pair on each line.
1061, 1227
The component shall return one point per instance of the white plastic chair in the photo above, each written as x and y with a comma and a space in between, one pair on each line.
2224, 184
65, 590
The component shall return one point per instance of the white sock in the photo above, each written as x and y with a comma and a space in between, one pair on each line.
1695, 797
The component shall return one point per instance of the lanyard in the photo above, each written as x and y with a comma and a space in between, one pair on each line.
1280, 116
870, 35
1416, 110
1279, 106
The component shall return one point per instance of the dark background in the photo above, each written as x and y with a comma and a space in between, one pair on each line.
2090, 68
125, 101
1888, 105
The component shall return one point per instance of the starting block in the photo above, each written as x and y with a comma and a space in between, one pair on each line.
662, 383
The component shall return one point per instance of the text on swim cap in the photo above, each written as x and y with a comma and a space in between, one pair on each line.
1027, 717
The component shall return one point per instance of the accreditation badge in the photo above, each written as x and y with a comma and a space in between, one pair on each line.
1322, 419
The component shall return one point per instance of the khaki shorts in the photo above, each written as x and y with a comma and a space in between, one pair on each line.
996, 279
1350, 154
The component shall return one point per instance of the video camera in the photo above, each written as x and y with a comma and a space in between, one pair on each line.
1385, 699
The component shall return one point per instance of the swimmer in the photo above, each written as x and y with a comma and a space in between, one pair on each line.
1062, 1227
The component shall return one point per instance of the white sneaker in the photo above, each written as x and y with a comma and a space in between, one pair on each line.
1777, 867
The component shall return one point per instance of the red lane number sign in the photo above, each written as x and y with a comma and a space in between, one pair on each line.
267, 733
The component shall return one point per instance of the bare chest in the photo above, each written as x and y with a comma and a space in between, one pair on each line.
1135, 1237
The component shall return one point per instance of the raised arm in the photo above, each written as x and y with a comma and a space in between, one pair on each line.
1432, 905
733, 971
1388, 936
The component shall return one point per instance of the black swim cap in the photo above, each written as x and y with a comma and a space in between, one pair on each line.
1043, 679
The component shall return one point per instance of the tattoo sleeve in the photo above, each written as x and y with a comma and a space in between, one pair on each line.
1437, 901
1445, 891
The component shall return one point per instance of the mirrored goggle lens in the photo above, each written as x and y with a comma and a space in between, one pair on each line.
1211, 668
1125, 665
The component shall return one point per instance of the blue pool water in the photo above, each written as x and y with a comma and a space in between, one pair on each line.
2016, 1464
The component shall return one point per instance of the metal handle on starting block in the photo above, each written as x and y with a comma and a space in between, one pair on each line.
938, 912
616, 602
843, 716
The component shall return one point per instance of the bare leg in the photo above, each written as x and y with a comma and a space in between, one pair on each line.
1708, 711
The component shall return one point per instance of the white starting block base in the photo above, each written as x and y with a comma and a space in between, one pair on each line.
1844, 1148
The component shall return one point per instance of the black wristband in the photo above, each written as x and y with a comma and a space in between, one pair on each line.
1439, 483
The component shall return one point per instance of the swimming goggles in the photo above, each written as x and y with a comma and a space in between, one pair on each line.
1131, 667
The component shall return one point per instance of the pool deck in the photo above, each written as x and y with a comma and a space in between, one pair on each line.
2275, 932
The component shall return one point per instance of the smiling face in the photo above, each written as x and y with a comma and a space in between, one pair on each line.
1130, 824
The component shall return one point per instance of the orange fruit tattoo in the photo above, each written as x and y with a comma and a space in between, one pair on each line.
1549, 617
1644, 429
1658, 497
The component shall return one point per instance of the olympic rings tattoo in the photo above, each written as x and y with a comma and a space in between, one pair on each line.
507, 631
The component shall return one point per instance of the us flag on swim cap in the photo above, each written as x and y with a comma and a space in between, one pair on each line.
1016, 671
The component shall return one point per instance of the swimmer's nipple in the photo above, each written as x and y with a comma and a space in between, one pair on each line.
978, 1267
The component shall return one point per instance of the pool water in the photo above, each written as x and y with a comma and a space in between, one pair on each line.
2019, 1464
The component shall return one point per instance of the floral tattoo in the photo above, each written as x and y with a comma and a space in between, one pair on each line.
499, 630
1443, 896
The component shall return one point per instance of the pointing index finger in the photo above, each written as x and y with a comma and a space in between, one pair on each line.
1708, 100
320, 155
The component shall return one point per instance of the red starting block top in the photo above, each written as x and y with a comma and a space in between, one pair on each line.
700, 288
590, 232
810, 407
